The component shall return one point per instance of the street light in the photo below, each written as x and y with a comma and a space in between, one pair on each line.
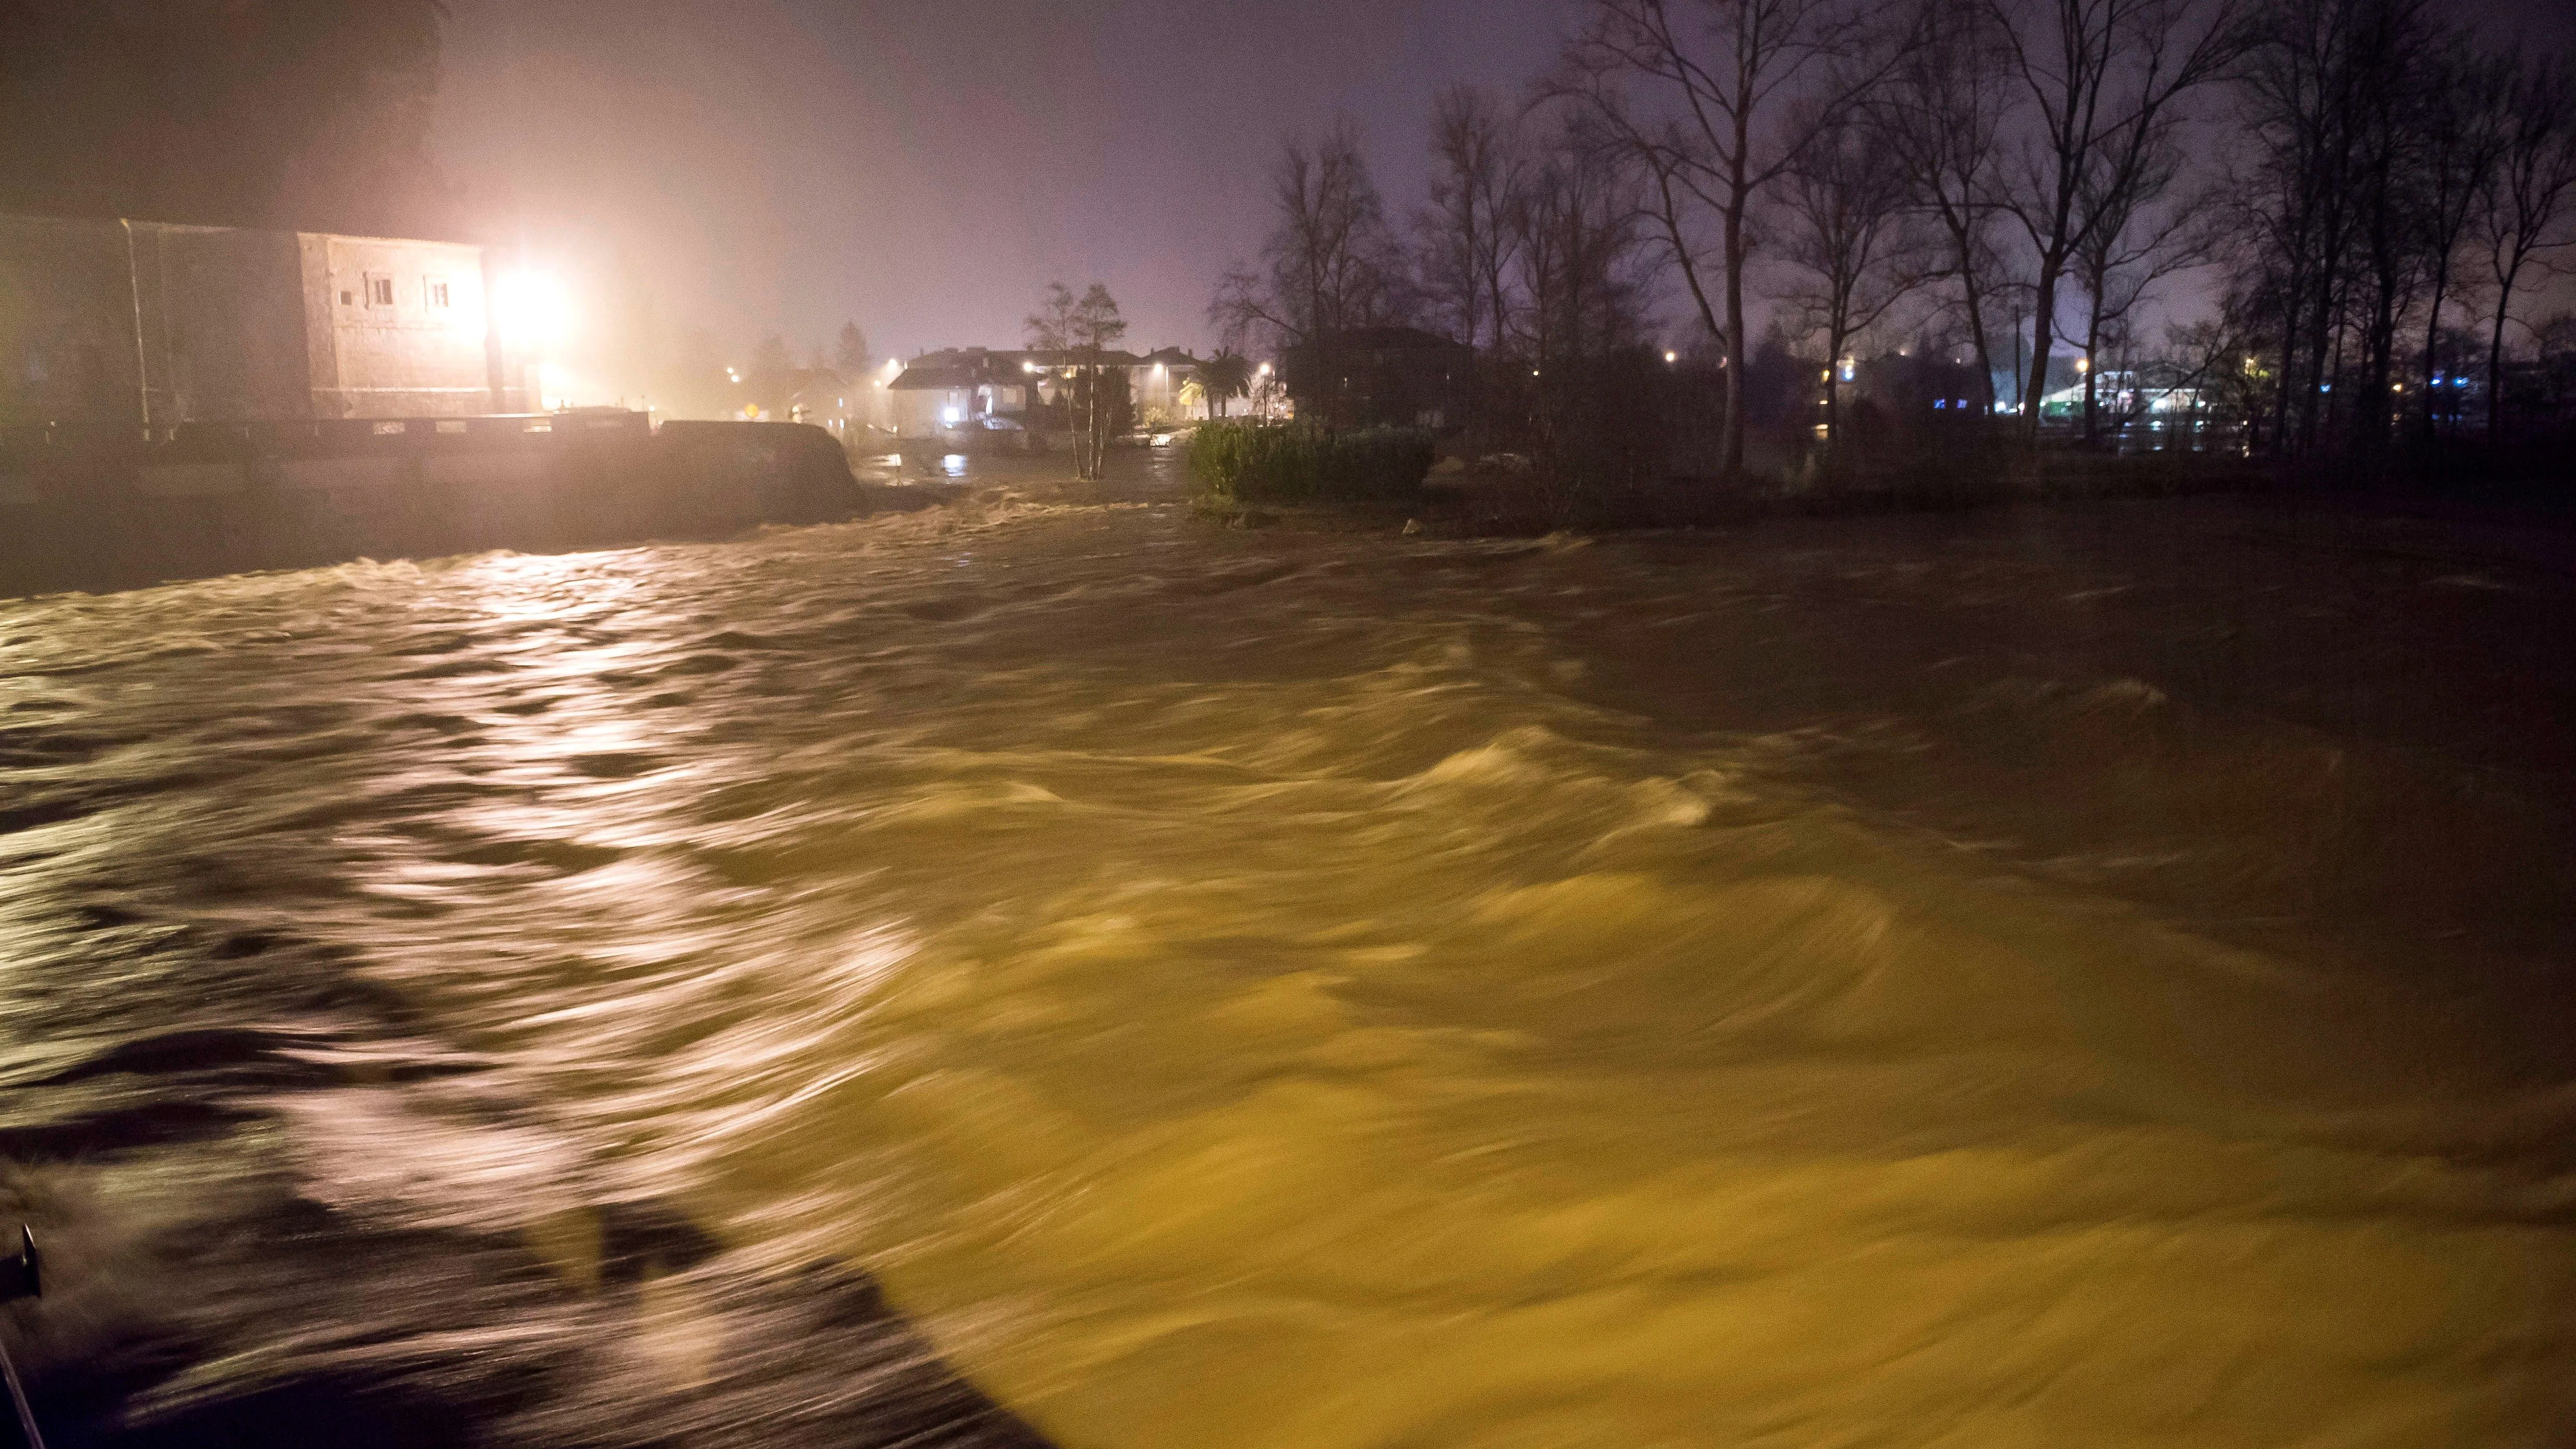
532, 312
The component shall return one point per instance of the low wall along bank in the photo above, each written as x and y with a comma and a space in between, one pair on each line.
104, 508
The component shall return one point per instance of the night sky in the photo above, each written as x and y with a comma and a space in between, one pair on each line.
927, 168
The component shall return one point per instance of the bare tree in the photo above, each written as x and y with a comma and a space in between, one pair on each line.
1572, 302
2119, 263
1465, 247
1331, 264
1083, 329
1330, 261
1941, 115
2401, 39
1696, 93
2464, 138
1845, 231
2524, 216
2104, 81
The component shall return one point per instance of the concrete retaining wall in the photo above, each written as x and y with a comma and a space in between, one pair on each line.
82, 512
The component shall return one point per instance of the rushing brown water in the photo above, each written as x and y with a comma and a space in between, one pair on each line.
2061, 977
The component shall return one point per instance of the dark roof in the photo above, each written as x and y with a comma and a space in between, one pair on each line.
973, 366
918, 378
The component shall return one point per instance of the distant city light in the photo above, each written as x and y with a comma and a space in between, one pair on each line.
1671, 357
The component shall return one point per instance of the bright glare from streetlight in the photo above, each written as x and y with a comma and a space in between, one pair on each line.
532, 311
1671, 357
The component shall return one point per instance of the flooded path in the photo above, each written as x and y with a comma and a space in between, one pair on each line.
2081, 976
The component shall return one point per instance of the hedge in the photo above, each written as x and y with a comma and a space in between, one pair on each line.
1255, 462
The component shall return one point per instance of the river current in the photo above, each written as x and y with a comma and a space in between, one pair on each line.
1046, 965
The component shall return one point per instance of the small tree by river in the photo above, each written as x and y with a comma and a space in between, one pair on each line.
1084, 329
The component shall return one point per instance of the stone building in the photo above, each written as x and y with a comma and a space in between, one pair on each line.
151, 325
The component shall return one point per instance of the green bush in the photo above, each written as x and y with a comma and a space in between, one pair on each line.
1252, 462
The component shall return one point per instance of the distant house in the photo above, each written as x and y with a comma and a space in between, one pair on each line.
1374, 376
944, 392
821, 397
960, 392
154, 325
1158, 384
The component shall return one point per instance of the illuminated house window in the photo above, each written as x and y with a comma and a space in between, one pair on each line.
436, 289
380, 291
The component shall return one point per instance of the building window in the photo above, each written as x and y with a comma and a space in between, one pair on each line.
436, 287
348, 298
380, 290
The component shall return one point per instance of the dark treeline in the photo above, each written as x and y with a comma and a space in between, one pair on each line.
306, 114
1874, 232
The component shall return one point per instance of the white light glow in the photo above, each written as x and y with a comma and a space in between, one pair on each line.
532, 311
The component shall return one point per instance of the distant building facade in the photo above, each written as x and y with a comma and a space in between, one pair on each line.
977, 389
155, 325
1381, 376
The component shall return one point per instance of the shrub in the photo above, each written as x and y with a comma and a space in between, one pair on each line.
1253, 462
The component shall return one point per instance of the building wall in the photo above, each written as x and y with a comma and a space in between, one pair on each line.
220, 314
1157, 393
67, 335
395, 329
145, 324
924, 412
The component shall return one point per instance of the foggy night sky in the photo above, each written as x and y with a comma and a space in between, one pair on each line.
925, 167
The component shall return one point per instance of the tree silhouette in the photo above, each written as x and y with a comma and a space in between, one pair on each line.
1083, 329
1226, 376
850, 358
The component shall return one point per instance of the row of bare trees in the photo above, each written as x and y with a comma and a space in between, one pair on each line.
2022, 175
2389, 166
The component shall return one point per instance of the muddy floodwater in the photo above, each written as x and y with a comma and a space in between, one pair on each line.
1045, 965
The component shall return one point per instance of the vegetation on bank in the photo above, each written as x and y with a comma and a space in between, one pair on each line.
1254, 462
1506, 495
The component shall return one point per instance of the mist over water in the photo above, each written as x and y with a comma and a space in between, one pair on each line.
2031, 979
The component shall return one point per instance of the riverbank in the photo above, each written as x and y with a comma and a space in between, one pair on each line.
1506, 498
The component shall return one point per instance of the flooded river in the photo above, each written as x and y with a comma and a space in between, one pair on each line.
1047, 966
